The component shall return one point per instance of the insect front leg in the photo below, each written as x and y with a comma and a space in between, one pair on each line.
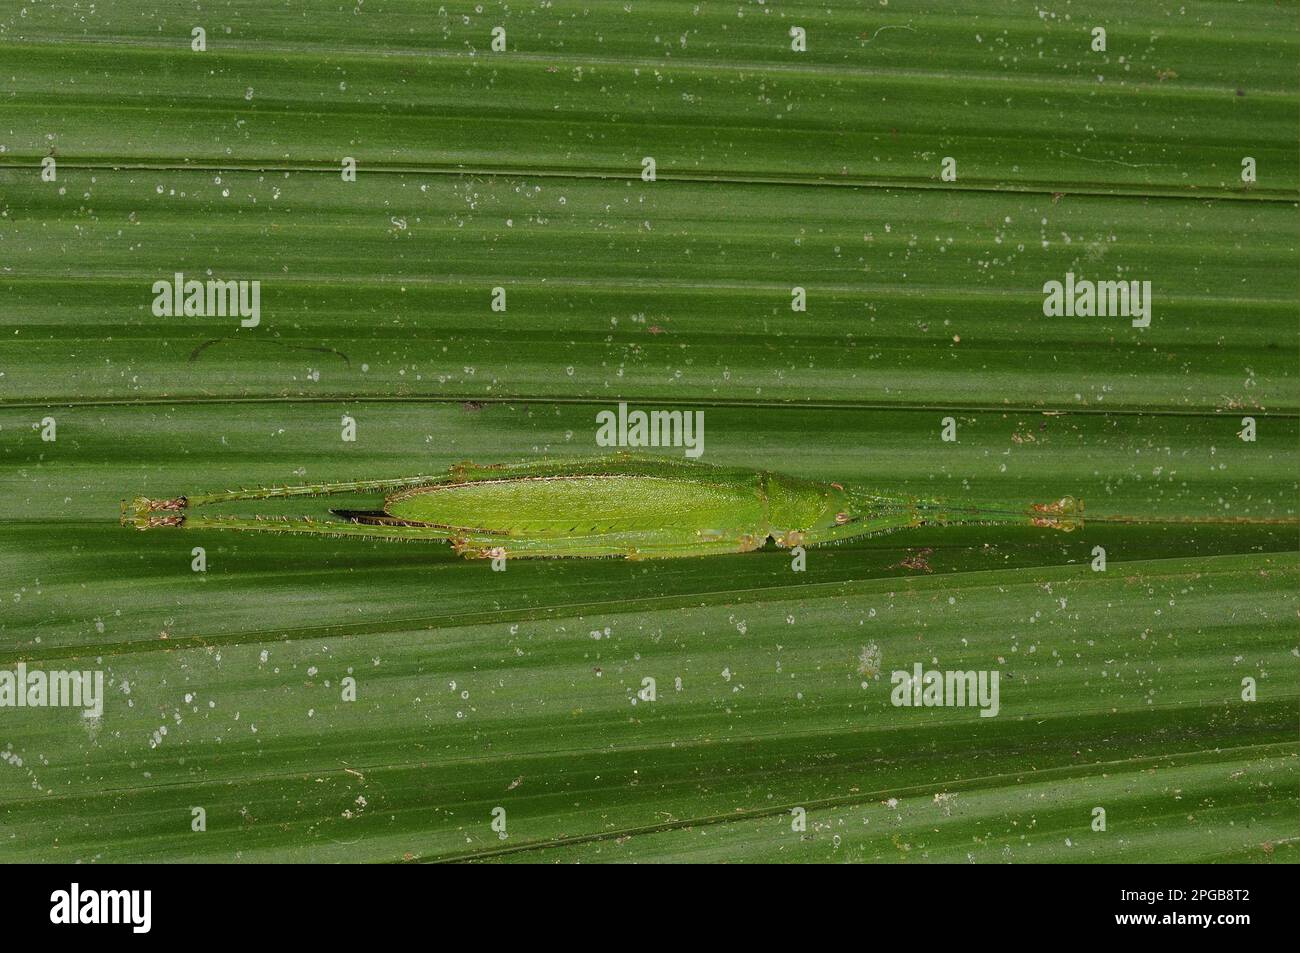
864, 526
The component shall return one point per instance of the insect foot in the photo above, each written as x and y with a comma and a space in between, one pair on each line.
144, 513
1066, 514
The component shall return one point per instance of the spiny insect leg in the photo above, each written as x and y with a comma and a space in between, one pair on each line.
647, 544
310, 527
865, 526
311, 489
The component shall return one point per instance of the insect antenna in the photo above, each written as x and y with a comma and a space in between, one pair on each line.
1199, 520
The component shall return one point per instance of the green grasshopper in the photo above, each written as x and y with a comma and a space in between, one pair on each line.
635, 507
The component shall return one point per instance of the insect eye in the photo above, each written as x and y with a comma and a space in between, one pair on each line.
841, 517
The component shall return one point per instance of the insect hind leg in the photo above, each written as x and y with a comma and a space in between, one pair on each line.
307, 490
309, 527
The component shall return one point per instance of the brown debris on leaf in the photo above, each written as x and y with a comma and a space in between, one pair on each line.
918, 560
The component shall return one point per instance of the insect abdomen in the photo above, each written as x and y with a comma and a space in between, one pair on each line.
585, 505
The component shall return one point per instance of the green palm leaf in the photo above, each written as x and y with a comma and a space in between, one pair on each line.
1121, 689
